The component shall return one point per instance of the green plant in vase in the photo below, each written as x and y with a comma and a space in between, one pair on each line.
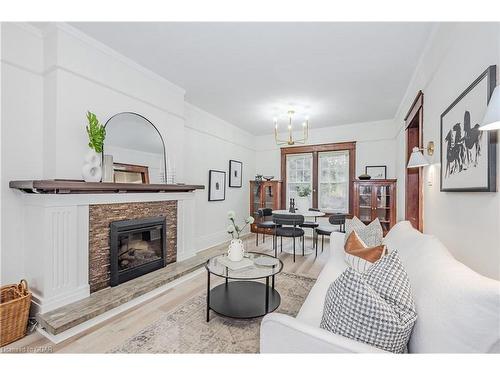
96, 132
304, 191
92, 171
302, 203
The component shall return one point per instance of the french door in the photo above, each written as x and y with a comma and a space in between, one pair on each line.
299, 175
327, 170
333, 181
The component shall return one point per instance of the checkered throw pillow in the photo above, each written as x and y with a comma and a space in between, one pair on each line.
376, 307
371, 234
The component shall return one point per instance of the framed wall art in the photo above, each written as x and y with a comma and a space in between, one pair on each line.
377, 172
468, 155
216, 185
235, 173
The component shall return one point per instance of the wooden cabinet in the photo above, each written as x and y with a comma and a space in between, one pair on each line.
375, 199
266, 194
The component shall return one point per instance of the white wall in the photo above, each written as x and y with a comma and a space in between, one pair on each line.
21, 134
468, 223
375, 145
89, 76
209, 143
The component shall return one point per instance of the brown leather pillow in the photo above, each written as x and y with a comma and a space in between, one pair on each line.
355, 246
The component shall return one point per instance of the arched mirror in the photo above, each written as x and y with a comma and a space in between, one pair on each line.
134, 151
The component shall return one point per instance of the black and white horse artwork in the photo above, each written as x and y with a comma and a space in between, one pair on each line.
463, 148
468, 155
472, 140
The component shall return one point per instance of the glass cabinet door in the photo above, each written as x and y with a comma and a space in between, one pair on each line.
365, 203
268, 196
256, 197
383, 200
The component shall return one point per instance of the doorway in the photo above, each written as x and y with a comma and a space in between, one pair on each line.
414, 178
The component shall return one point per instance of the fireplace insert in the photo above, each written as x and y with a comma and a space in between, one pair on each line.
137, 247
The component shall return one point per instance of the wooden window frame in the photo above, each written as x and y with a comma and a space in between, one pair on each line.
315, 150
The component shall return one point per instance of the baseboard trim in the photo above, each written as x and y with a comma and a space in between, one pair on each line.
42, 305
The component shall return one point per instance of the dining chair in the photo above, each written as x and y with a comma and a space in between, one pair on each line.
334, 219
311, 224
262, 223
287, 225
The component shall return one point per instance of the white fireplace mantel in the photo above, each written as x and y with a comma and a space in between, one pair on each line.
56, 245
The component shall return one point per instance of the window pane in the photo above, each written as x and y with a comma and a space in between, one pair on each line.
299, 175
334, 181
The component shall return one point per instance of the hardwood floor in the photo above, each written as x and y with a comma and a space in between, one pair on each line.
110, 333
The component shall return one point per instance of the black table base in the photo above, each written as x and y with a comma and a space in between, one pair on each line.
242, 299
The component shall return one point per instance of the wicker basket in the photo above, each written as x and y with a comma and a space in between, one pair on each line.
15, 301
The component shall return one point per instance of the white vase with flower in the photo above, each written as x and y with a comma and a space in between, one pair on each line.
236, 250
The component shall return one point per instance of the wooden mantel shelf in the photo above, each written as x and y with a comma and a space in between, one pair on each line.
82, 187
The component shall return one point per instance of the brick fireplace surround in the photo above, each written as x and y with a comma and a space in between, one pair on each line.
101, 216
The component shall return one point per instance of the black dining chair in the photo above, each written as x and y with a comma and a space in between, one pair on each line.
334, 219
287, 225
311, 224
263, 223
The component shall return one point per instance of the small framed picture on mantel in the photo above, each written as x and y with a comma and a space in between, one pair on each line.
377, 172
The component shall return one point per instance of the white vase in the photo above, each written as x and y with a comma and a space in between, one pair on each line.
107, 169
91, 173
302, 204
236, 250
91, 170
93, 158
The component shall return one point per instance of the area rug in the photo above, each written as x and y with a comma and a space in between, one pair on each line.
185, 330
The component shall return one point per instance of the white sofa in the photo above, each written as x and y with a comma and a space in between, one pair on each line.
458, 309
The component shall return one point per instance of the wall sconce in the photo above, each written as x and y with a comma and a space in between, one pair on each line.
430, 148
417, 158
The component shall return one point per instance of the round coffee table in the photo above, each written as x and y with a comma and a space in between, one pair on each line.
243, 297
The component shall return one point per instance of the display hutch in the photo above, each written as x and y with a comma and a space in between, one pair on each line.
264, 194
375, 199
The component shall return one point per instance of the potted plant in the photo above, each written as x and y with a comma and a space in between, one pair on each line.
92, 171
303, 203
236, 250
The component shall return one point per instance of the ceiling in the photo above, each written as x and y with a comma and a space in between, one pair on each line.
248, 73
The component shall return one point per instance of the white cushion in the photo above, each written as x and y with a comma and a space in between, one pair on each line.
458, 309
371, 234
311, 311
357, 263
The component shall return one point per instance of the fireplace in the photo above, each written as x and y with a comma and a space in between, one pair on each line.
137, 247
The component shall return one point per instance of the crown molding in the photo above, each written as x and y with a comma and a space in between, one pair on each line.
33, 30
74, 32
188, 125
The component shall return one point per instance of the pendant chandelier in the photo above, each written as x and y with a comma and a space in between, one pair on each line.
290, 141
